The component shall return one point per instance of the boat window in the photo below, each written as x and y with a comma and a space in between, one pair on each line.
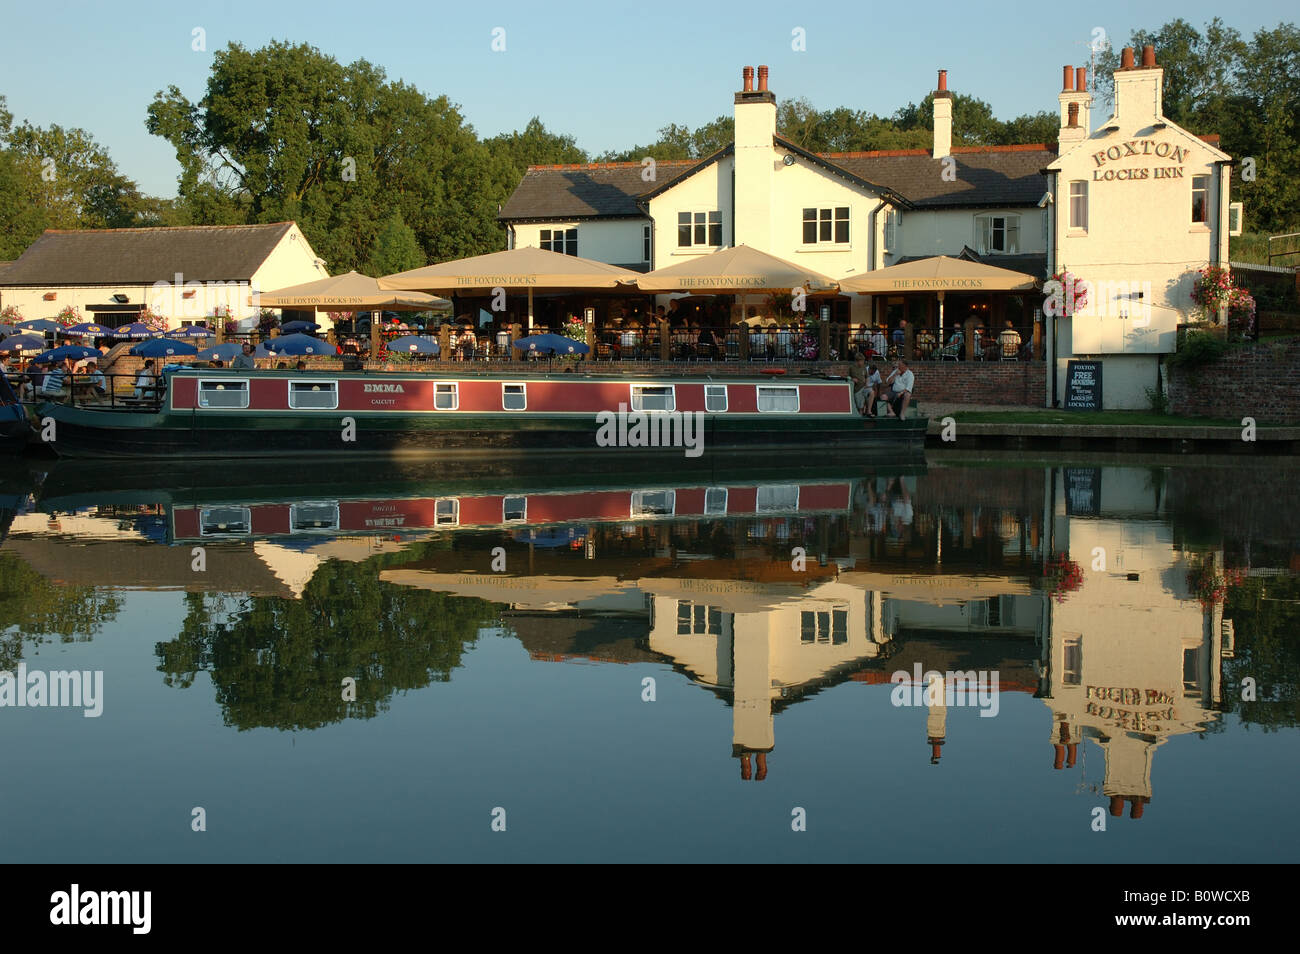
778, 399
654, 503
313, 394
715, 501
223, 393
777, 498
661, 398
447, 512
321, 515
215, 521
514, 508
446, 397
715, 397
514, 397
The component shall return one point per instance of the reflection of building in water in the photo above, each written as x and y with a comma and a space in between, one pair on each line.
1132, 658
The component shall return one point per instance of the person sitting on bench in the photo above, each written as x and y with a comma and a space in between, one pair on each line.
56, 382
901, 380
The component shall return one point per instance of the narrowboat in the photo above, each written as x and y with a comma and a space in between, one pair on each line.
225, 413
14, 428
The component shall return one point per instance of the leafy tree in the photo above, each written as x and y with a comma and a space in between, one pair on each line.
396, 248
286, 132
281, 663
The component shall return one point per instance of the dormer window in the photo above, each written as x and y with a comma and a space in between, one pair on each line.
997, 234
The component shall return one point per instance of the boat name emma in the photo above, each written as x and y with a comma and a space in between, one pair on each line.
384, 389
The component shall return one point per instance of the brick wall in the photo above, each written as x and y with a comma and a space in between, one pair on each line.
1260, 381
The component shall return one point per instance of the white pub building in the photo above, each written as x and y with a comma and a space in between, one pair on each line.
1134, 208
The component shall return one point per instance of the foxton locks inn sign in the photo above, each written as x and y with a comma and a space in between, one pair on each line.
1139, 148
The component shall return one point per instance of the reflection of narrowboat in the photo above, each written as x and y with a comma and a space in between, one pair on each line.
228, 413
14, 428
269, 519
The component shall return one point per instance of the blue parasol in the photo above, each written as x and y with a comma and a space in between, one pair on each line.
86, 328
221, 352
295, 345
414, 344
75, 352
158, 348
23, 343
39, 324
193, 331
551, 344
136, 330
296, 326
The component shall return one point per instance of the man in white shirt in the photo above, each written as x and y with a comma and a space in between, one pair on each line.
901, 380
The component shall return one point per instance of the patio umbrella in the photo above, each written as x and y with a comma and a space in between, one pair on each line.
939, 274
414, 344
221, 352
39, 324
193, 331
136, 330
731, 271
23, 343
552, 344
297, 326
298, 345
159, 348
518, 269
86, 328
75, 352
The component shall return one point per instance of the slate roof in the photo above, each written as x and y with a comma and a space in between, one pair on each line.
988, 176
145, 256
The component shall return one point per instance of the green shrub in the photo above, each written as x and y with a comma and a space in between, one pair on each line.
1198, 348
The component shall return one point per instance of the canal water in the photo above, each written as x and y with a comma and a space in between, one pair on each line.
941, 658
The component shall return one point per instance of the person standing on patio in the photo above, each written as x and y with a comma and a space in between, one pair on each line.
244, 362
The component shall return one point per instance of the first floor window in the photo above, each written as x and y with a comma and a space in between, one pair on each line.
997, 233
564, 241
645, 244
1079, 205
699, 229
826, 226
1201, 199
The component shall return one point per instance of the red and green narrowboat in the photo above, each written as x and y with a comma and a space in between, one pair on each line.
228, 413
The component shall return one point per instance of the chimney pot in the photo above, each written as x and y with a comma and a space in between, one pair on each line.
1148, 55
748, 73
1081, 78
1126, 58
1067, 79
1074, 114
762, 79
943, 80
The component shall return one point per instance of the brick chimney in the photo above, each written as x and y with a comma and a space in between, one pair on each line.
1076, 105
942, 118
1139, 89
755, 160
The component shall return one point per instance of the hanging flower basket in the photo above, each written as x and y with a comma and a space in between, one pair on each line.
1064, 295
1211, 586
1062, 576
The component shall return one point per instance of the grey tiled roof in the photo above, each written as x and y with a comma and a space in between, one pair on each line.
983, 177
993, 176
144, 256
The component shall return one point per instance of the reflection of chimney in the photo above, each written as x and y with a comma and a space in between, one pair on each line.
1138, 802
762, 766
1117, 801
1075, 102
746, 770
1059, 761
1073, 749
942, 118
935, 745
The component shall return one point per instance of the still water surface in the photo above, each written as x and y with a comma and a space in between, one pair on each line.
656, 666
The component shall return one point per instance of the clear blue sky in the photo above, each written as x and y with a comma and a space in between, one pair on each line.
610, 73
